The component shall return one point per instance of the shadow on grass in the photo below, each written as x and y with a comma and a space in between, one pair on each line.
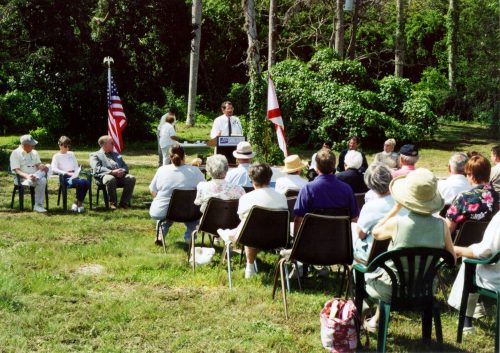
453, 136
406, 344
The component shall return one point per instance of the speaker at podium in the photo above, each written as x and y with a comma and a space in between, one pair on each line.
226, 145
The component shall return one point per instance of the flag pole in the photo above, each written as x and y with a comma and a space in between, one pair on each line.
109, 60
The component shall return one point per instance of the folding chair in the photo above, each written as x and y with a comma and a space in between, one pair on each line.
100, 188
218, 214
20, 188
180, 209
291, 204
264, 229
471, 232
248, 188
321, 240
470, 286
291, 193
412, 272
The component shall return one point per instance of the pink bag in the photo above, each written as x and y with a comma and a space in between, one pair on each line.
339, 326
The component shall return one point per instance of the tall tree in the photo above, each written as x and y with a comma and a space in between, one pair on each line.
339, 28
351, 49
453, 21
400, 42
194, 61
271, 53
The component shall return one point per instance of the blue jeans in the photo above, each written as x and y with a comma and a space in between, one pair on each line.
81, 185
190, 227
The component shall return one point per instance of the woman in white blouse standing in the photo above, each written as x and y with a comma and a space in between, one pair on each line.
64, 163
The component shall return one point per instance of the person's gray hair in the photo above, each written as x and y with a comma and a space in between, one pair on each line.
104, 139
353, 159
457, 163
409, 160
217, 166
378, 177
390, 142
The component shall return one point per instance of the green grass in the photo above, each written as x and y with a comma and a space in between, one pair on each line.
141, 300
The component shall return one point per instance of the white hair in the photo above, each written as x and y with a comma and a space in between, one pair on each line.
217, 166
353, 159
457, 163
408, 160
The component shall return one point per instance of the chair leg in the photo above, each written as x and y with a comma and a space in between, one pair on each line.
437, 324
468, 287
228, 253
383, 325
276, 274
47, 195
427, 324
65, 197
90, 194
497, 326
105, 197
59, 191
283, 289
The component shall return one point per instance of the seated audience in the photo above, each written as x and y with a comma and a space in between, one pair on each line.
326, 191
217, 187
327, 145
456, 183
352, 146
264, 196
408, 157
351, 175
417, 192
110, 169
25, 162
239, 176
167, 136
64, 163
292, 180
479, 203
377, 177
495, 170
176, 175
388, 156
487, 276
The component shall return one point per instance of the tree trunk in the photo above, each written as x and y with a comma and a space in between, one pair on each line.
453, 22
339, 28
256, 127
351, 49
194, 61
400, 44
271, 53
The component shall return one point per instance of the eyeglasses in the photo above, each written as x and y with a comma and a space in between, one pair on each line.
63, 145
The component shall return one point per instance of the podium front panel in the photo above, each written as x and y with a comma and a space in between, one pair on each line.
226, 145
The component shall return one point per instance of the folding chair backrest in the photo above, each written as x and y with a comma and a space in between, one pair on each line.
181, 207
332, 211
219, 214
265, 229
360, 199
323, 240
412, 272
471, 232
291, 204
248, 188
291, 192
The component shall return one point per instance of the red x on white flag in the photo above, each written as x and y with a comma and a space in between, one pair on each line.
274, 114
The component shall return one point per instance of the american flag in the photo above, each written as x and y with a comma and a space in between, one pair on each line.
116, 116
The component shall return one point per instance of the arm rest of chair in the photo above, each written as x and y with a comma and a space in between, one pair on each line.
489, 260
361, 268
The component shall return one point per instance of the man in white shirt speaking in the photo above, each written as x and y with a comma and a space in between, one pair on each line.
226, 124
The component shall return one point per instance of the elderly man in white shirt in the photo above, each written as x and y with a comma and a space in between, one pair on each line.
456, 183
167, 137
226, 124
25, 162
239, 176
292, 180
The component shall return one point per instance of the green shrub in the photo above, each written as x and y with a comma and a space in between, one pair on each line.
393, 91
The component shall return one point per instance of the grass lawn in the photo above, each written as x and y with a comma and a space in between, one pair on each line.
96, 282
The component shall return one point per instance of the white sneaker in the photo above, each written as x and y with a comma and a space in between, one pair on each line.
81, 209
249, 271
39, 209
479, 311
469, 330
74, 208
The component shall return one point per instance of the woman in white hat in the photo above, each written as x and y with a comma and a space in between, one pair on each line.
292, 180
418, 193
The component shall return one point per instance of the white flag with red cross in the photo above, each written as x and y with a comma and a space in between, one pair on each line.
274, 114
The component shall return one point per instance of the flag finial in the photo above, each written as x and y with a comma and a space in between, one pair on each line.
108, 60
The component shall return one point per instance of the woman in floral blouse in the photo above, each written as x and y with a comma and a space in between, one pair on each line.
479, 203
217, 187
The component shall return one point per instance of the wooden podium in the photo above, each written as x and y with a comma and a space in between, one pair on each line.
225, 145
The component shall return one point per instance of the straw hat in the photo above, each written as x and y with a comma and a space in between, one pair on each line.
417, 191
243, 151
293, 163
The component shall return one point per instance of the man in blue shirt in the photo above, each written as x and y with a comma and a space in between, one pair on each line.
326, 191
